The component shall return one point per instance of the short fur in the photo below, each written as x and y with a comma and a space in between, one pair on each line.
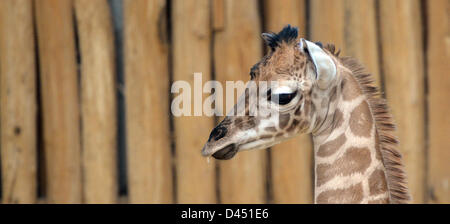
396, 176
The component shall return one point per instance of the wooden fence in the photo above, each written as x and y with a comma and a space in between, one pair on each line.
85, 95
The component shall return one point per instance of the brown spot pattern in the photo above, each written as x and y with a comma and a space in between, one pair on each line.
313, 107
226, 121
237, 121
298, 111
270, 129
380, 201
284, 120
246, 124
354, 160
377, 182
338, 119
306, 107
329, 148
361, 120
377, 147
294, 124
302, 64
350, 88
265, 136
351, 195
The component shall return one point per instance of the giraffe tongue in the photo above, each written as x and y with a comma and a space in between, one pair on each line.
227, 152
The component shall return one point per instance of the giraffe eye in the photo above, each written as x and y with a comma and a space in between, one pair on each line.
283, 98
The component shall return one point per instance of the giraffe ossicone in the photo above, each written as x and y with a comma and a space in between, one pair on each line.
333, 99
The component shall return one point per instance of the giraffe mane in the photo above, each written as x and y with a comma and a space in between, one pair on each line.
385, 128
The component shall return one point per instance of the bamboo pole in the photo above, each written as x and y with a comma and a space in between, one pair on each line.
292, 178
402, 58
59, 93
147, 103
97, 101
191, 24
18, 102
438, 58
237, 47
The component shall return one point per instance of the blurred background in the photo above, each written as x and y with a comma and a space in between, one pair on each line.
85, 95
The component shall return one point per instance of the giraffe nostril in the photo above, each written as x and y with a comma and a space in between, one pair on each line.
218, 133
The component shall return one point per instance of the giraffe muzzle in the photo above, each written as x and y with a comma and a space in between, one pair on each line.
227, 152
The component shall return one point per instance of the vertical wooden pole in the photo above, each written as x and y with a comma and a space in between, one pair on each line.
402, 58
147, 103
292, 178
238, 47
327, 22
351, 26
98, 101
18, 102
191, 53
438, 59
361, 36
60, 107
281, 13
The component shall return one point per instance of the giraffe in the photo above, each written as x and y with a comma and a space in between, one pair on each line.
331, 97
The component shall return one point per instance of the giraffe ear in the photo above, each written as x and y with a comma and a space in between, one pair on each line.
325, 67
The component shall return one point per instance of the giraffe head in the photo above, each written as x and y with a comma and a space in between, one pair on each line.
294, 84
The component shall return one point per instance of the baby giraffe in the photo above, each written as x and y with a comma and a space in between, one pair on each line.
313, 90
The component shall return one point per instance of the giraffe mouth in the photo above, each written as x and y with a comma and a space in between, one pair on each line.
227, 152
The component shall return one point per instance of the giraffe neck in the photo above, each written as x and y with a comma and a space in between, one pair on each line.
348, 162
